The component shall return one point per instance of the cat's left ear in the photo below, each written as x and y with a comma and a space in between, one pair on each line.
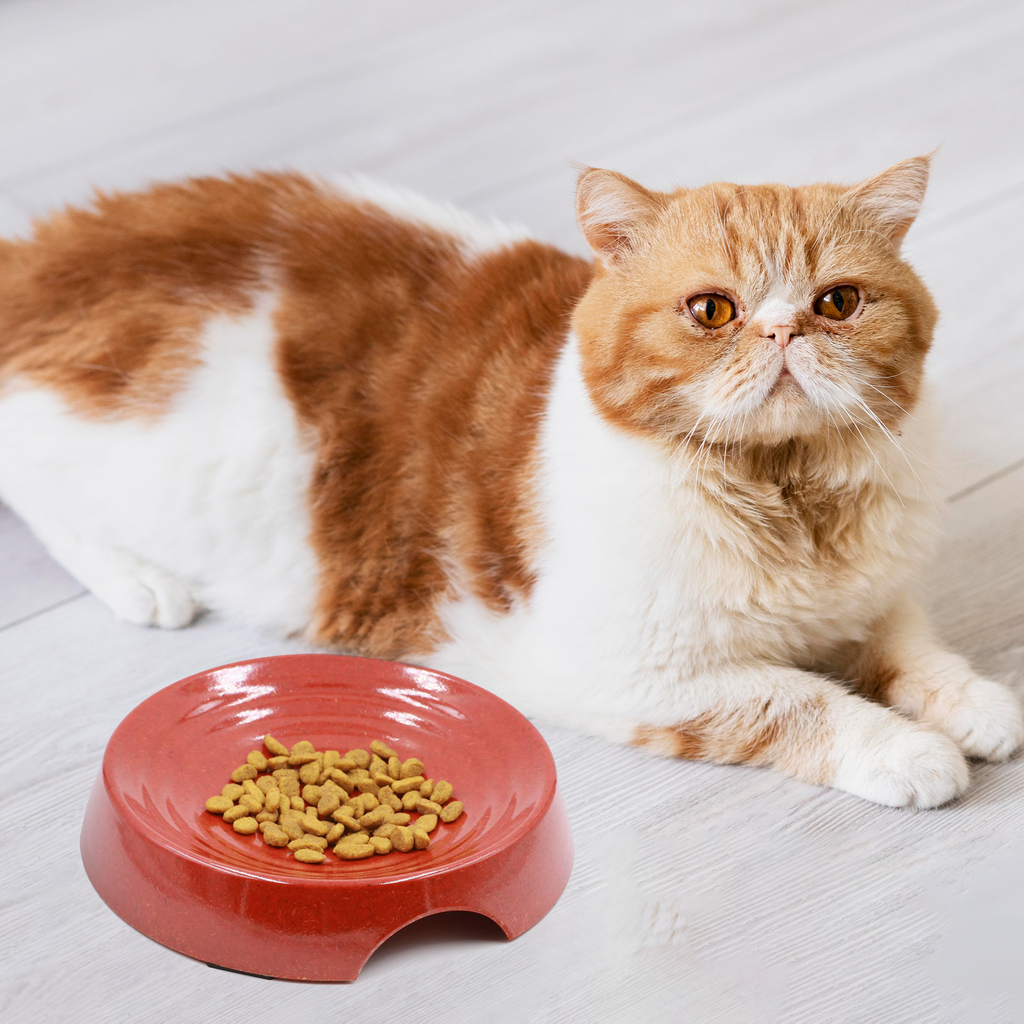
893, 198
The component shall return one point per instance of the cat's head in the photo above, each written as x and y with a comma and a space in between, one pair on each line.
758, 313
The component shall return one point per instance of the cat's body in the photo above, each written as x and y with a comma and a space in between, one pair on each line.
350, 414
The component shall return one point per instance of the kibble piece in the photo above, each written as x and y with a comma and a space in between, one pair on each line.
318, 828
246, 826
257, 760
266, 816
382, 750
355, 774
385, 830
427, 788
232, 791
286, 773
367, 786
273, 801
383, 779
253, 790
420, 839
244, 771
311, 794
265, 783
428, 807
442, 792
290, 786
310, 772
302, 757
342, 780
352, 824
250, 803
335, 834
331, 758
427, 822
406, 785
281, 761
411, 799
385, 796
359, 758
219, 804
346, 764
297, 804
376, 817
450, 811
302, 745
276, 747
232, 814
328, 804
363, 804
378, 766
292, 828
402, 839
380, 844
411, 768
310, 856
353, 851
309, 842
401, 819
275, 837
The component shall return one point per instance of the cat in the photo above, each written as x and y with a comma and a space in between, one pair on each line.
675, 496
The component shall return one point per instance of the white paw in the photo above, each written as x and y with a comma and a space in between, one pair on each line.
148, 596
984, 717
135, 590
894, 762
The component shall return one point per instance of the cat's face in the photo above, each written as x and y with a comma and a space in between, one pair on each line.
759, 313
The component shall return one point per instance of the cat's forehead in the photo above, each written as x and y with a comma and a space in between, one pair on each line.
770, 233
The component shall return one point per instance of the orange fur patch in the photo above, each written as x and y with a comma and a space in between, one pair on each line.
420, 372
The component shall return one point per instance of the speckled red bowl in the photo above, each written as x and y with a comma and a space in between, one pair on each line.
185, 878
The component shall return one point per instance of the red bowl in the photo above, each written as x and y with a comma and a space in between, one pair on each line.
187, 879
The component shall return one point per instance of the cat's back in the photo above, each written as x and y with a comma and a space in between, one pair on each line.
346, 365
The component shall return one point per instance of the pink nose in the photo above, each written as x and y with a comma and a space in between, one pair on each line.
781, 334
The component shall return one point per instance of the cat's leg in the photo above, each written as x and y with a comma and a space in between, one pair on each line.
903, 665
813, 729
135, 590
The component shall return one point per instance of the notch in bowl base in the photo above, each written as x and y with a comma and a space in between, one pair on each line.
315, 930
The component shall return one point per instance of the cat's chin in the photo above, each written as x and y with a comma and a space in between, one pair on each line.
785, 413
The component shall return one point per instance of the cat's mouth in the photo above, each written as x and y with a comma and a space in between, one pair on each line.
784, 382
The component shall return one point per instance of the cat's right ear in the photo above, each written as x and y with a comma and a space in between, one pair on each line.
611, 209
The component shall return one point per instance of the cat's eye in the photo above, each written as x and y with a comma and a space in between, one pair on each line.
711, 310
838, 303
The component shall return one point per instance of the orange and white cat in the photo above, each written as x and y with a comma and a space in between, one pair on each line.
675, 497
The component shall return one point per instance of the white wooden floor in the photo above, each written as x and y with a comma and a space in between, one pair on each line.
736, 896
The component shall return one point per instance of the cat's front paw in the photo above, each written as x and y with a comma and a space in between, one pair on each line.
897, 763
983, 716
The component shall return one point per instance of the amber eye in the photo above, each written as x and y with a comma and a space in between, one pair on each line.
838, 303
711, 310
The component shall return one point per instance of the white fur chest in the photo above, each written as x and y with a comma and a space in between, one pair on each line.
645, 583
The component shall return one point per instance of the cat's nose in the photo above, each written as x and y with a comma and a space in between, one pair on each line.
781, 334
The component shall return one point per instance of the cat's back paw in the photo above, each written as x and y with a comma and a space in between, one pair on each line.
153, 597
134, 589
901, 764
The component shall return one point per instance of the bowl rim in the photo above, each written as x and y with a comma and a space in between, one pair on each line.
145, 830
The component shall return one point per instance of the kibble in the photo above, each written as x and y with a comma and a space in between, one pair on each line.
360, 804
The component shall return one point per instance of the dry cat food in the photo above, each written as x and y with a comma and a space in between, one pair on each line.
359, 804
